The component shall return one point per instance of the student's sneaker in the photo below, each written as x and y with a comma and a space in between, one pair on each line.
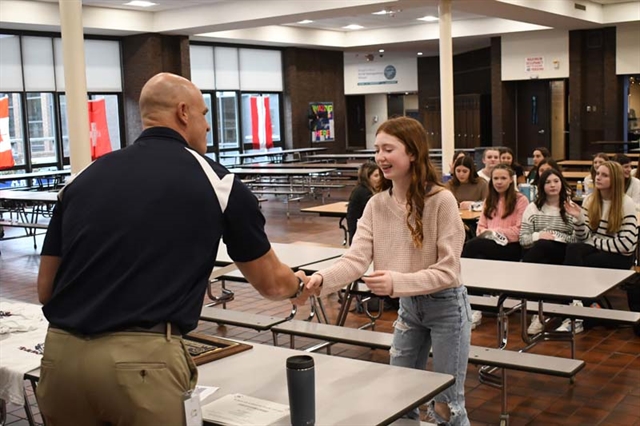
476, 319
536, 326
566, 326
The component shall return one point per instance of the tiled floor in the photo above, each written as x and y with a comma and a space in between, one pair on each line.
606, 392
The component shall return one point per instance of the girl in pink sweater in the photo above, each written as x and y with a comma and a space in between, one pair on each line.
499, 226
413, 235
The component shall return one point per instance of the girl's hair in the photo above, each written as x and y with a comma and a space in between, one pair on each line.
565, 192
622, 160
592, 170
544, 151
467, 162
510, 196
594, 210
506, 150
550, 161
364, 175
456, 154
424, 175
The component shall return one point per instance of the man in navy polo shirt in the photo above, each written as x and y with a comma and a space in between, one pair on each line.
125, 263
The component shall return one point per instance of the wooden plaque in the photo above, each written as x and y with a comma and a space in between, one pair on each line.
204, 348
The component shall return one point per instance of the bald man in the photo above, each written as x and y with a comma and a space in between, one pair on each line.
125, 263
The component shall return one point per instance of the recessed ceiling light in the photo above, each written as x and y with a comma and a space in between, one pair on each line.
305, 21
428, 18
353, 27
381, 50
419, 53
140, 3
381, 12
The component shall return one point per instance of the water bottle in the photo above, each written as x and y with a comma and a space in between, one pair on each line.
579, 189
525, 189
302, 390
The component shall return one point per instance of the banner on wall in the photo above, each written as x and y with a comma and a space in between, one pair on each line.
261, 131
321, 121
6, 155
373, 74
98, 130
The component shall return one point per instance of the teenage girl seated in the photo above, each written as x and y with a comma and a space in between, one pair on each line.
605, 225
598, 159
465, 184
369, 183
507, 157
456, 155
499, 226
631, 183
546, 226
544, 165
539, 154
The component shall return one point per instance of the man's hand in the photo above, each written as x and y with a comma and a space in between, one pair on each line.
306, 293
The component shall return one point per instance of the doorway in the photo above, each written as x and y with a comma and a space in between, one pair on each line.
356, 132
533, 117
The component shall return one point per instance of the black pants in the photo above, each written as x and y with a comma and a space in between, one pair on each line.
545, 251
582, 254
483, 248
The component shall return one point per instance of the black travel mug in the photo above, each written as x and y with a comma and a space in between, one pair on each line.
301, 383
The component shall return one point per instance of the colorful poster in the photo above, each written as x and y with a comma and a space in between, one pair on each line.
6, 155
98, 130
261, 130
321, 121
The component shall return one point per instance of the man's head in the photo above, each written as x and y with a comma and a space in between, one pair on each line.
168, 100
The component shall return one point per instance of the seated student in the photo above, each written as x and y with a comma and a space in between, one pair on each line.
544, 165
546, 227
369, 182
605, 225
598, 159
631, 184
465, 184
499, 226
490, 158
539, 154
507, 157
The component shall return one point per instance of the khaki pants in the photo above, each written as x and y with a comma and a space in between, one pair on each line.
123, 378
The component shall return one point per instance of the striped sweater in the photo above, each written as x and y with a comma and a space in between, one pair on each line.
510, 225
546, 219
384, 239
622, 242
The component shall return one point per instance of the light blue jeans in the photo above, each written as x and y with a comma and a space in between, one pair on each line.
443, 321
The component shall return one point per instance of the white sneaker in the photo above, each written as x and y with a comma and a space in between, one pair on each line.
566, 326
536, 326
476, 319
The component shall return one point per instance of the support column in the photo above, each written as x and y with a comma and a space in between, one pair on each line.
446, 84
75, 80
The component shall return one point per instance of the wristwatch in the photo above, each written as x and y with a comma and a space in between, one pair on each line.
300, 288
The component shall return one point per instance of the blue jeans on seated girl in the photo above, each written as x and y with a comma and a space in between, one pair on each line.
443, 321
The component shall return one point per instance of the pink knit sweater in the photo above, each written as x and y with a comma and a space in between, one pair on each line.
510, 225
384, 239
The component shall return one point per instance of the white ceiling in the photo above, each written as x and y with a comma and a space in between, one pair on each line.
274, 22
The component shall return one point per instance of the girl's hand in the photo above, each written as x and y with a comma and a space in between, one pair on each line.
379, 282
572, 208
546, 236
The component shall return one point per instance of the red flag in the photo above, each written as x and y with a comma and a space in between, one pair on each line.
98, 130
6, 156
261, 123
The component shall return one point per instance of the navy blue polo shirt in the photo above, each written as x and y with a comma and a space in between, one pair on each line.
138, 232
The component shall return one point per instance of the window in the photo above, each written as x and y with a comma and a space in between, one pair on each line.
248, 120
42, 128
207, 102
228, 119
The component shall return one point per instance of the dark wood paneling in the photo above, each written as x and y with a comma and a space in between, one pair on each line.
313, 76
144, 56
593, 83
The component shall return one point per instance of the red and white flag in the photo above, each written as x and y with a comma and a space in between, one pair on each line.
6, 156
98, 130
261, 123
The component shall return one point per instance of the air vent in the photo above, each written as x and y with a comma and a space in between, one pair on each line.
580, 6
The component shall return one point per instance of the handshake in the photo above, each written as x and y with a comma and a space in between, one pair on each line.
380, 283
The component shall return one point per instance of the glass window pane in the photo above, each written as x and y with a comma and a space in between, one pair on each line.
248, 121
15, 127
231, 160
42, 129
207, 101
64, 126
113, 118
228, 119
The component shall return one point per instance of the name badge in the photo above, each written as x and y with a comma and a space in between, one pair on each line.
192, 410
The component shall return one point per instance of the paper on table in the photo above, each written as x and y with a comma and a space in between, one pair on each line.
204, 391
242, 410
